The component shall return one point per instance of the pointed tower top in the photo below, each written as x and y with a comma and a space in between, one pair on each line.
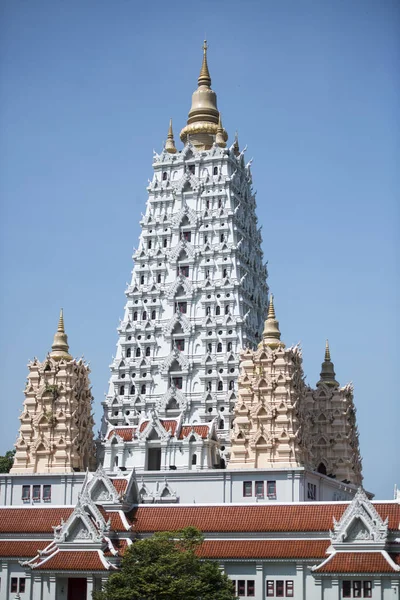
204, 77
60, 348
170, 143
271, 334
235, 145
220, 138
328, 375
202, 124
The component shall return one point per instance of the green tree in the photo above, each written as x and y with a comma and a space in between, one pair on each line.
6, 461
166, 567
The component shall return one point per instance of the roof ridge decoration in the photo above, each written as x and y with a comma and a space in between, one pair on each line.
154, 424
360, 526
100, 488
172, 392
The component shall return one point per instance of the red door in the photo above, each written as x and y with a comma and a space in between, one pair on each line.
76, 588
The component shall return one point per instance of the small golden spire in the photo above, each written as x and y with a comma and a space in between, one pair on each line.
220, 137
170, 143
60, 348
271, 334
327, 351
204, 77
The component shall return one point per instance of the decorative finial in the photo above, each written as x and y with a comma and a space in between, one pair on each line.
60, 348
61, 322
327, 351
220, 137
236, 149
271, 334
328, 375
170, 143
204, 77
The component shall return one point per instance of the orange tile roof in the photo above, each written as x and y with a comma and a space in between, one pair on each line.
264, 549
115, 519
169, 425
22, 548
126, 433
120, 545
143, 426
120, 485
73, 560
32, 520
263, 518
356, 562
201, 430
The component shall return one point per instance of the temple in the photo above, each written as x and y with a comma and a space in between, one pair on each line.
208, 420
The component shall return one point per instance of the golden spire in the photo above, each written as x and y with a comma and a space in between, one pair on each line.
328, 375
60, 348
220, 139
202, 124
271, 334
204, 77
170, 143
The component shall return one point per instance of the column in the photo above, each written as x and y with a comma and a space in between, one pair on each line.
5, 584
336, 589
299, 583
51, 589
89, 587
36, 588
377, 590
259, 582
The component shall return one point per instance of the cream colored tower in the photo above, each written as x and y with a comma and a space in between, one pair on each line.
56, 431
334, 435
270, 429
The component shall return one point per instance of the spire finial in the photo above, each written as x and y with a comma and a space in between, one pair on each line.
220, 138
327, 351
170, 143
61, 322
271, 334
204, 77
328, 375
60, 348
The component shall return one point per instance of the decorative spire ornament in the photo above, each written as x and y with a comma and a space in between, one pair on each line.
220, 138
170, 143
60, 348
271, 334
328, 374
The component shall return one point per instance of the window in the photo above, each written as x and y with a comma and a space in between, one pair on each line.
142, 279
231, 385
137, 351
311, 491
148, 351
219, 203
135, 316
219, 347
207, 203
224, 273
208, 310
191, 169
346, 589
132, 389
26, 493
159, 278
128, 353
164, 175
271, 490
194, 459
165, 242
153, 315
215, 171
21, 585
229, 347
122, 390
289, 589
180, 344
181, 307
183, 271
220, 386
47, 493
367, 589
36, 493
187, 235
234, 588
227, 309
241, 588
250, 587
218, 310
280, 589
14, 585
222, 237
259, 489
208, 386
144, 315
177, 382
209, 348
270, 588
357, 589
143, 389
247, 489
149, 244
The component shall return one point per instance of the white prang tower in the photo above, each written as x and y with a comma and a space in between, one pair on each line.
198, 291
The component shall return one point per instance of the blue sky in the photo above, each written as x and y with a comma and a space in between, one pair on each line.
86, 92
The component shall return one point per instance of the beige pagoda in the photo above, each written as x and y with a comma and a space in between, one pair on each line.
270, 429
55, 434
334, 434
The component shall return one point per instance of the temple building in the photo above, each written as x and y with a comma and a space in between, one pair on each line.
208, 420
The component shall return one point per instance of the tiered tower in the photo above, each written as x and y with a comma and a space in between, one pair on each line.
198, 291
271, 427
56, 432
334, 434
